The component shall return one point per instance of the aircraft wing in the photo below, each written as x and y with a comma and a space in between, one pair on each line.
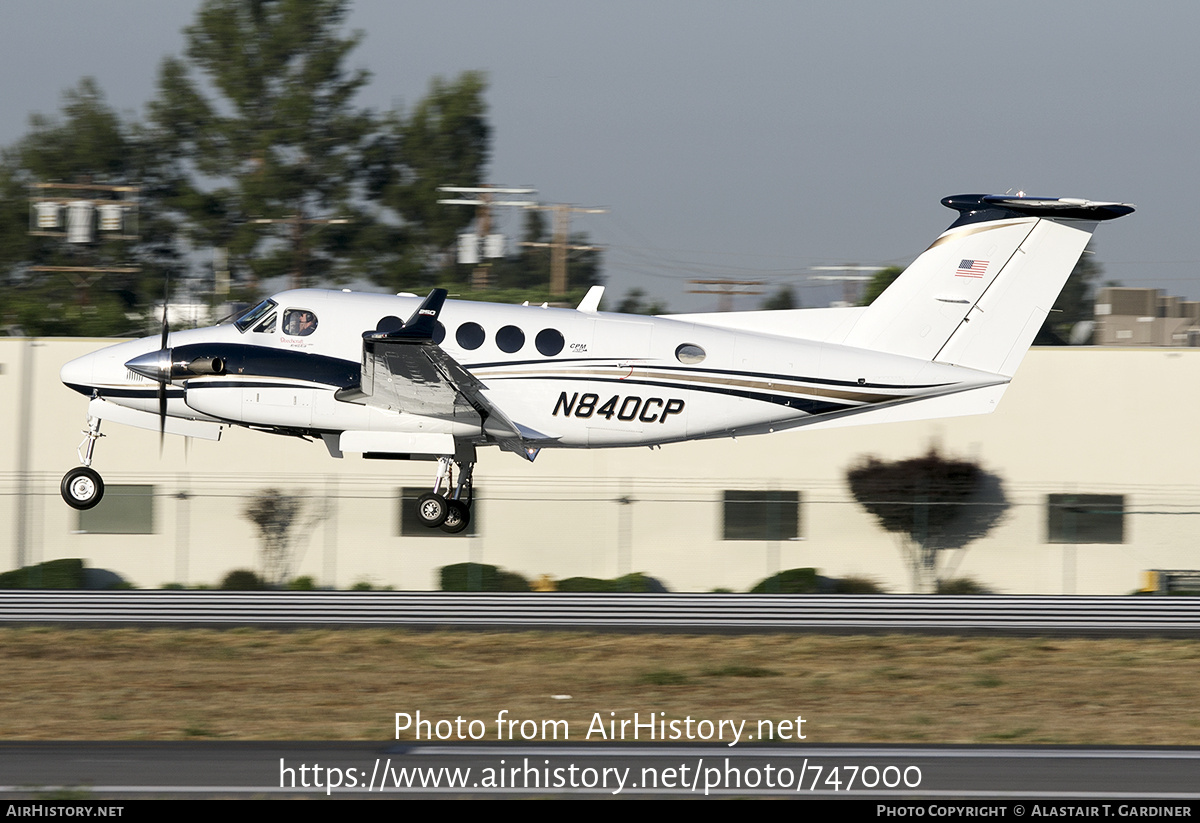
404, 370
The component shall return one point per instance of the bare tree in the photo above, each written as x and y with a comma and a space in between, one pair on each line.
282, 525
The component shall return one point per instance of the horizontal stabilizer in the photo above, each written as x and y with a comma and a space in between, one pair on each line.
976, 208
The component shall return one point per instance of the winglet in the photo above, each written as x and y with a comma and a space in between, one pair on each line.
591, 301
420, 326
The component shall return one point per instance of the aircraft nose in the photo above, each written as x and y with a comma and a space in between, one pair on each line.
79, 374
152, 364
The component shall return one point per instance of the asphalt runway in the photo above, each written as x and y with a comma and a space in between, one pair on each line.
1123, 778
1040, 781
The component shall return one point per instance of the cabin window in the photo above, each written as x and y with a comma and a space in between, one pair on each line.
689, 354
760, 515
510, 339
254, 315
549, 342
439, 332
470, 336
1085, 518
299, 322
389, 324
125, 509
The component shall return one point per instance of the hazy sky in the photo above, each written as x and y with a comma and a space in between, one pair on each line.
752, 140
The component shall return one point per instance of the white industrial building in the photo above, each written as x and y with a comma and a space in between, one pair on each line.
1096, 452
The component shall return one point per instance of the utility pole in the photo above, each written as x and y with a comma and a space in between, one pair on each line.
484, 201
725, 290
560, 244
83, 214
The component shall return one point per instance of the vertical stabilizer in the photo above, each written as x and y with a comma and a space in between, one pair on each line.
979, 294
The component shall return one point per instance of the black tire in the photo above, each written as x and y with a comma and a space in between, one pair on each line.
432, 509
458, 517
82, 488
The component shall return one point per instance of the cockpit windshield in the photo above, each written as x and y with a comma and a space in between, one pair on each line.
253, 315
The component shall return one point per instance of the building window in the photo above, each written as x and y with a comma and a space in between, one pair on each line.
761, 515
410, 526
122, 510
1085, 518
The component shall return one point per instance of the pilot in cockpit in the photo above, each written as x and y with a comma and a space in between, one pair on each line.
299, 322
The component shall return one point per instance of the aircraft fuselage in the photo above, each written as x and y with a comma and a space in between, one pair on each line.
570, 378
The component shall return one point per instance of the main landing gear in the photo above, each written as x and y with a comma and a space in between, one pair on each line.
449, 511
82, 487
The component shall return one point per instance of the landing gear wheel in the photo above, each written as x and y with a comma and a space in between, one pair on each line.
432, 509
458, 517
82, 488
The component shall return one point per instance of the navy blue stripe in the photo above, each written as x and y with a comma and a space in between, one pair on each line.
615, 363
259, 361
151, 392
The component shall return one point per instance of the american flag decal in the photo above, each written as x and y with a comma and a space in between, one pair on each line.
971, 268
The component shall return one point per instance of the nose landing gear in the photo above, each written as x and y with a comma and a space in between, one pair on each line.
453, 513
82, 487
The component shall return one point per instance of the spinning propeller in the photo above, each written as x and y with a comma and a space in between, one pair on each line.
161, 367
157, 366
164, 373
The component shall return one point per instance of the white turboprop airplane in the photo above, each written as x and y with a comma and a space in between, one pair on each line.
943, 340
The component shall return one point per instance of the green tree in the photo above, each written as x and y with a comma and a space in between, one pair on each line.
785, 298
87, 144
444, 142
636, 302
1077, 300
279, 140
253, 144
880, 281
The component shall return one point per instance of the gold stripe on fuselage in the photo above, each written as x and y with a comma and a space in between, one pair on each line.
609, 373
